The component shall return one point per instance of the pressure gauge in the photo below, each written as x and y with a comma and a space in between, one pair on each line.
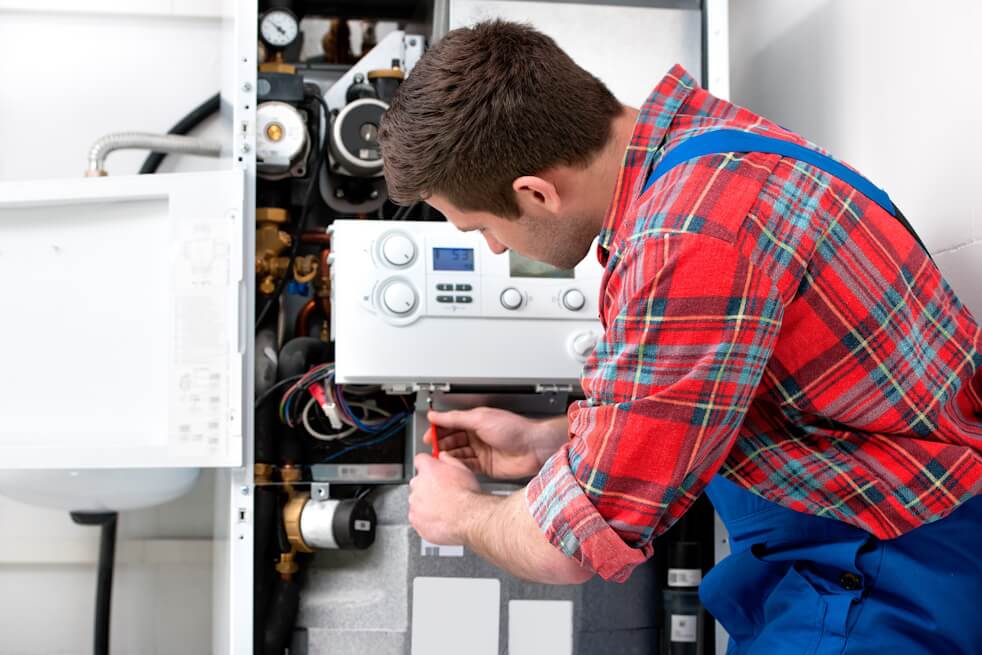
278, 28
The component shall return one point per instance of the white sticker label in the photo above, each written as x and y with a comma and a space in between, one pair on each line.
684, 577
363, 526
435, 550
456, 615
685, 628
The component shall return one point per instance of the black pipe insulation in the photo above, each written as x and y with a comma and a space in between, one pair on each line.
183, 127
266, 513
267, 426
104, 574
283, 608
299, 355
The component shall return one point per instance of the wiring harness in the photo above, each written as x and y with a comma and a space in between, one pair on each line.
355, 419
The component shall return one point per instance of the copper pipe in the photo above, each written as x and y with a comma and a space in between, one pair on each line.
300, 329
315, 237
326, 275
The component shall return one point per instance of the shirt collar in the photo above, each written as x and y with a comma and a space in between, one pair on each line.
655, 117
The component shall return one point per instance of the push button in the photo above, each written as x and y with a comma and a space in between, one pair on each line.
463, 287
850, 581
444, 298
444, 287
464, 299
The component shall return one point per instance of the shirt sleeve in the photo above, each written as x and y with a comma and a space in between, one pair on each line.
691, 324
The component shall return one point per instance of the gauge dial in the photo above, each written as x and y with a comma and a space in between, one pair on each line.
279, 28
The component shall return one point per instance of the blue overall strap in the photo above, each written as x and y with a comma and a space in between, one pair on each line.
720, 141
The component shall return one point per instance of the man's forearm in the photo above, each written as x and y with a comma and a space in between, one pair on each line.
501, 530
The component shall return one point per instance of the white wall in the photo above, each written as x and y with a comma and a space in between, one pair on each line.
890, 86
69, 73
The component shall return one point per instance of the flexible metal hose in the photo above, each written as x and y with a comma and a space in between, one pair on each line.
168, 143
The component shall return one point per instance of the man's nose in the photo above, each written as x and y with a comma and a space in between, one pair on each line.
496, 246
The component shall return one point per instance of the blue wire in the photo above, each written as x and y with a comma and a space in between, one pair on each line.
373, 442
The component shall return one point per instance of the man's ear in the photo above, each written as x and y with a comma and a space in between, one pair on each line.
536, 194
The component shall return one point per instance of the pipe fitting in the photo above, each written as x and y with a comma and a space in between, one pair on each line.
166, 143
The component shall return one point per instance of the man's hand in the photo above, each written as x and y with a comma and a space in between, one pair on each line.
497, 443
446, 507
438, 498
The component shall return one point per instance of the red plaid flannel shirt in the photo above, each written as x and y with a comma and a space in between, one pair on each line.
766, 322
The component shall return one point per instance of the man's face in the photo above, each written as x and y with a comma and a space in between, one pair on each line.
561, 242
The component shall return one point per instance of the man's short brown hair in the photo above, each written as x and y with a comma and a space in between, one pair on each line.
484, 106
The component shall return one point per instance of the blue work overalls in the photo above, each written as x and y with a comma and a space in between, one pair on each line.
796, 584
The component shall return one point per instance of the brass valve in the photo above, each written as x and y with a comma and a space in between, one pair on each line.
271, 242
290, 474
263, 473
305, 268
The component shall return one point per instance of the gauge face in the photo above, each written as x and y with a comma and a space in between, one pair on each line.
279, 28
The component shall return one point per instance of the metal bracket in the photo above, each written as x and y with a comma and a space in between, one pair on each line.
320, 491
553, 388
403, 388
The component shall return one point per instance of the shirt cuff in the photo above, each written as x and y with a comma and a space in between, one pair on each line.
573, 525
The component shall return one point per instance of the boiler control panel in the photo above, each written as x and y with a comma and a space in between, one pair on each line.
424, 302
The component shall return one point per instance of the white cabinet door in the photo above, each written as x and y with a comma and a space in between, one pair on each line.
122, 321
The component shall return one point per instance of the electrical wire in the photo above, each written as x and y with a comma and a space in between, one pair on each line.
317, 434
266, 395
301, 223
366, 444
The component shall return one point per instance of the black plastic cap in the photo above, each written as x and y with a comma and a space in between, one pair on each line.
354, 524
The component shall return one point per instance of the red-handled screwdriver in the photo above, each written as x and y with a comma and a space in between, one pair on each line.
436, 447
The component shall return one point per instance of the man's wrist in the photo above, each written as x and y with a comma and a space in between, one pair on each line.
550, 434
476, 518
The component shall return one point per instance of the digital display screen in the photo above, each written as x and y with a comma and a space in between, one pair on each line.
522, 266
453, 259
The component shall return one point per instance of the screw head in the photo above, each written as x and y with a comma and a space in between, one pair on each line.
412, 42
244, 491
245, 147
247, 87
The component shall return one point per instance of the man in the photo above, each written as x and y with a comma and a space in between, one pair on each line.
774, 335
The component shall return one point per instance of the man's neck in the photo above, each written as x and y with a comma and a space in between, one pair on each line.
601, 180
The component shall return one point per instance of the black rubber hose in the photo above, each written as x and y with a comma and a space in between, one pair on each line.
299, 355
183, 127
104, 575
282, 616
267, 424
266, 513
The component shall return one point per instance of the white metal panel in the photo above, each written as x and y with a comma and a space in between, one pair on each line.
233, 520
122, 348
628, 48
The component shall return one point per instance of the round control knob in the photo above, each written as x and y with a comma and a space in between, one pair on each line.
399, 298
511, 298
574, 300
398, 250
582, 344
